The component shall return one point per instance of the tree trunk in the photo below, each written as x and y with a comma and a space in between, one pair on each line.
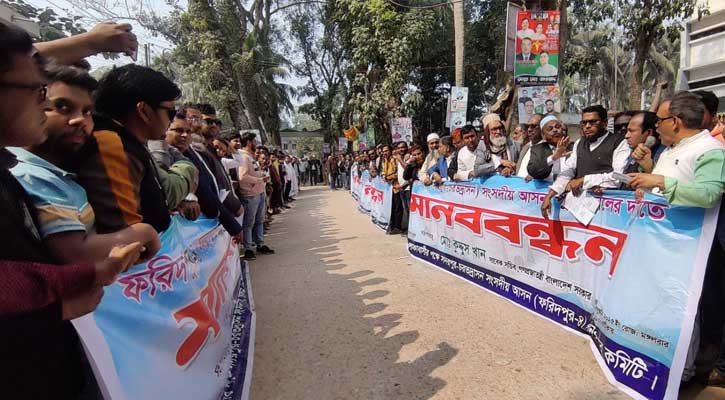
641, 49
459, 35
563, 28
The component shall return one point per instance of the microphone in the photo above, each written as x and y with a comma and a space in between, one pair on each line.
650, 141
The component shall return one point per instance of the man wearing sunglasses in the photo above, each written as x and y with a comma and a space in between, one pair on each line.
621, 121
125, 186
594, 159
210, 126
533, 137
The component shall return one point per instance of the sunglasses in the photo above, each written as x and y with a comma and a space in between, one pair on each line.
171, 111
42, 88
212, 121
590, 122
180, 130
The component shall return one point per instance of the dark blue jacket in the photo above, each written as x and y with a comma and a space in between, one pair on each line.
208, 196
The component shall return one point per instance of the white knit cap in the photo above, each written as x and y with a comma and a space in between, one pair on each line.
488, 118
546, 120
432, 136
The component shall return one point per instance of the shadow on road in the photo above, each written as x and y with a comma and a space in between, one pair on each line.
322, 330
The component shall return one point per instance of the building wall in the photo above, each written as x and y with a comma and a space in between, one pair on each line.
702, 56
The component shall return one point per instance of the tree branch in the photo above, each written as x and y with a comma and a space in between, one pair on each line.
296, 4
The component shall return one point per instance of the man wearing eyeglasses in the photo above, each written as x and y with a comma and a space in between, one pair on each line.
596, 155
204, 122
691, 172
124, 185
533, 134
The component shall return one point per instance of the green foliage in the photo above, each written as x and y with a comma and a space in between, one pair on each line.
224, 55
315, 37
484, 50
385, 45
642, 23
309, 145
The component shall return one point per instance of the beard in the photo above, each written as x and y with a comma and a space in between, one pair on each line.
498, 144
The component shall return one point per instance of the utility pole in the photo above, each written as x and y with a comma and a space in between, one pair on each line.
146, 53
458, 33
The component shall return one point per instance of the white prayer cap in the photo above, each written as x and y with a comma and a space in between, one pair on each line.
432, 136
546, 120
488, 118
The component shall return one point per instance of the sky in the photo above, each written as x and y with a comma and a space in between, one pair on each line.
157, 44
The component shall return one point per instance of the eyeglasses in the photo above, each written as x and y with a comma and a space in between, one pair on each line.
212, 121
620, 127
194, 120
180, 130
170, 110
660, 120
590, 122
42, 88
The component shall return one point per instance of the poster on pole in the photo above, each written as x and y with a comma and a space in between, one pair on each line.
537, 48
538, 100
457, 106
342, 144
401, 130
326, 148
512, 11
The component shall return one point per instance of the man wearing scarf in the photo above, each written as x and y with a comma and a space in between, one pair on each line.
505, 151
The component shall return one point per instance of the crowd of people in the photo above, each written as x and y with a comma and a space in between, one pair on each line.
92, 173
677, 152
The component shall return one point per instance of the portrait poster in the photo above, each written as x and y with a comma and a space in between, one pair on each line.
457, 107
401, 129
538, 100
537, 48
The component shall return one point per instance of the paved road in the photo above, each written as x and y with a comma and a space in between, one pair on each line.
344, 313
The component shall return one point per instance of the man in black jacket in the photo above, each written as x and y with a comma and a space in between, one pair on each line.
546, 157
